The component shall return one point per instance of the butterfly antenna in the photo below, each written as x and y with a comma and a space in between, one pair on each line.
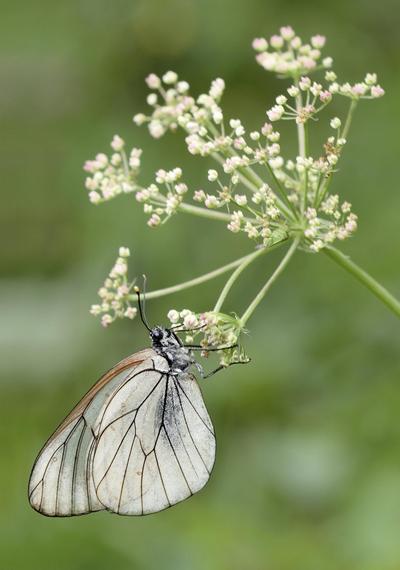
144, 298
141, 311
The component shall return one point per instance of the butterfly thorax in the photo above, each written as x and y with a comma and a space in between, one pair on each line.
167, 344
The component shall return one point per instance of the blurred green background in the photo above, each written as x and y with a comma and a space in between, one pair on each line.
308, 465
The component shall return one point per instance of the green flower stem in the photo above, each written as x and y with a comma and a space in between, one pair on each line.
376, 288
246, 262
325, 185
301, 134
196, 280
349, 118
302, 141
261, 294
204, 212
282, 191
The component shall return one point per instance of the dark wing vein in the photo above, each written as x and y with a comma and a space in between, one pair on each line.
179, 431
190, 433
126, 469
161, 477
62, 445
115, 454
132, 377
190, 402
75, 468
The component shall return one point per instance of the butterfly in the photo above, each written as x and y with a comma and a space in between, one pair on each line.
139, 441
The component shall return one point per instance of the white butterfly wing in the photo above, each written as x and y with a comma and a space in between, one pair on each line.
156, 443
61, 482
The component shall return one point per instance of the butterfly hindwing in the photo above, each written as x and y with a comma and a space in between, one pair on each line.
156, 446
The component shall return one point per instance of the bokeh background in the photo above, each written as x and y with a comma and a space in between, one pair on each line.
308, 466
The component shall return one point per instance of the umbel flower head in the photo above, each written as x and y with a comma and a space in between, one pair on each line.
262, 193
254, 188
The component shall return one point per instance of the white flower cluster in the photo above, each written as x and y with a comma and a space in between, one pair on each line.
158, 205
217, 330
338, 223
367, 89
115, 293
114, 175
287, 55
173, 107
265, 224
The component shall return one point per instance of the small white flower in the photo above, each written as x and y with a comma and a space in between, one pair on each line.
95, 310
370, 78
318, 41
330, 76
94, 197
295, 42
199, 196
170, 77
130, 312
241, 199
276, 42
305, 83
153, 81
183, 87
154, 221
293, 91
287, 33
124, 252
173, 316
281, 100
190, 321
335, 123
116, 159
275, 113
212, 175
377, 91
117, 143
156, 129
106, 320
211, 201
260, 44
139, 119
152, 99
217, 88
327, 62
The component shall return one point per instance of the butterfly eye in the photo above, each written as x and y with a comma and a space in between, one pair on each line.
156, 334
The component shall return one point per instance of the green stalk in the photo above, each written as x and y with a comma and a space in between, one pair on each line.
196, 280
376, 288
261, 294
235, 275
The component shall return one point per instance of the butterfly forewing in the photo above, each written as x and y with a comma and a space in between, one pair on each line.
61, 482
140, 441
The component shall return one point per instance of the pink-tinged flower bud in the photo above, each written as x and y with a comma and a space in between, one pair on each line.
153, 81
318, 41
276, 42
260, 44
377, 91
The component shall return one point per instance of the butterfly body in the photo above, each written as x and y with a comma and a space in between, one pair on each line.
139, 441
167, 344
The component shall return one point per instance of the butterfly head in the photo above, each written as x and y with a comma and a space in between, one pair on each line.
166, 343
164, 339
